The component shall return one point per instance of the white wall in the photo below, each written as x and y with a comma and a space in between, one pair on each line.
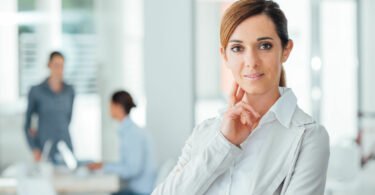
207, 51
168, 60
297, 67
13, 145
8, 52
110, 29
367, 79
339, 73
119, 26
367, 55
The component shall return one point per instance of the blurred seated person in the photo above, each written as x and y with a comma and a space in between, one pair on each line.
52, 102
137, 164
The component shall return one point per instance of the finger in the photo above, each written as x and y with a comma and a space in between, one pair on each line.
250, 109
244, 106
248, 120
241, 109
240, 94
245, 118
232, 94
235, 112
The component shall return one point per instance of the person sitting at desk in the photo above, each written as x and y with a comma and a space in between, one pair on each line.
52, 102
137, 164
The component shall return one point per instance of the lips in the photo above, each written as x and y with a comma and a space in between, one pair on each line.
253, 77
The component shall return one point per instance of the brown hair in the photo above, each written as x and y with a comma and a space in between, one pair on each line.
55, 53
124, 99
243, 9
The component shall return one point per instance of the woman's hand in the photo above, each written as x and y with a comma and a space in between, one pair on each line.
94, 166
37, 155
32, 133
240, 118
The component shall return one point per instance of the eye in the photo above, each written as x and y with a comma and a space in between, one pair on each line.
265, 46
236, 49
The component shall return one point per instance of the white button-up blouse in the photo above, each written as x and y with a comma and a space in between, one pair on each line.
287, 153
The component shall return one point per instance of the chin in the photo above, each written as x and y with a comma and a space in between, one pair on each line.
254, 91
255, 88
252, 88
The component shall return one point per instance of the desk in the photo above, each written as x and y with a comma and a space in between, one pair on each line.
67, 183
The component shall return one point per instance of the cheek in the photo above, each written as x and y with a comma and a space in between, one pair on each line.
273, 70
61, 69
234, 63
55, 69
272, 62
112, 109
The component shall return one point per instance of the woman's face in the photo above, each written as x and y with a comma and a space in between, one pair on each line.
114, 109
56, 65
254, 54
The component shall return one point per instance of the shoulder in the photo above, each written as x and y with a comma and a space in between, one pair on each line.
208, 124
68, 87
39, 86
35, 90
206, 130
136, 131
315, 135
301, 118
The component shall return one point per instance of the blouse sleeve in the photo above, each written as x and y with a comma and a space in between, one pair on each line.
72, 96
131, 158
31, 109
195, 172
310, 171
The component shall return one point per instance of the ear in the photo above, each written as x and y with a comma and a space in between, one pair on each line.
286, 51
223, 55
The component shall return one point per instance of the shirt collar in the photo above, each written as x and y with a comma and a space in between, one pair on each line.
282, 109
285, 106
46, 85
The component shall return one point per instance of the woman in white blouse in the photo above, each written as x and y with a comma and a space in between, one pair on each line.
263, 143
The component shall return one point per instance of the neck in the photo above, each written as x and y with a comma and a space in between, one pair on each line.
262, 102
55, 84
121, 116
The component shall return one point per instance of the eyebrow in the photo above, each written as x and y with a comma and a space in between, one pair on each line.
235, 41
258, 39
264, 38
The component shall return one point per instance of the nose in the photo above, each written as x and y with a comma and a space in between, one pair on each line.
251, 58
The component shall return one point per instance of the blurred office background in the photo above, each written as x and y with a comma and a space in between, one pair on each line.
166, 54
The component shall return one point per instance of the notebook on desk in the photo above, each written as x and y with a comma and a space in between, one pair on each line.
67, 155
